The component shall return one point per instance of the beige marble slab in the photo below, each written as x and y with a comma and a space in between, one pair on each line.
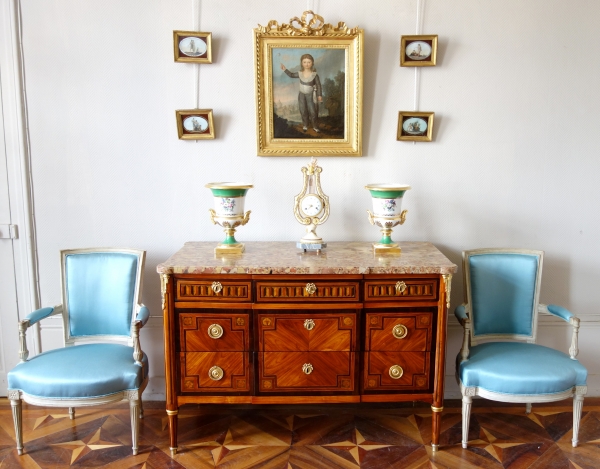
284, 258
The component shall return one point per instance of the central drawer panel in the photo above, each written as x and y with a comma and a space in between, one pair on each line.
306, 331
313, 290
306, 371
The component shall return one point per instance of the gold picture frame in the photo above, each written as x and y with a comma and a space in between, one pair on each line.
415, 126
285, 123
192, 47
418, 51
195, 124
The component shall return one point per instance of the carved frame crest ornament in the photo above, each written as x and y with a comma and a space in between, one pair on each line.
315, 110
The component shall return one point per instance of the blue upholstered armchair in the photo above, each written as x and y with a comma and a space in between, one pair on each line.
102, 360
502, 289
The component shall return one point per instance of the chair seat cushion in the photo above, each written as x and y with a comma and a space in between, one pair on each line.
520, 369
84, 371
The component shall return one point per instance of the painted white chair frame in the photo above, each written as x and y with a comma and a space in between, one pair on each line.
577, 392
133, 396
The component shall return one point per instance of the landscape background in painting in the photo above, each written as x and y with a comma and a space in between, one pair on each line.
330, 65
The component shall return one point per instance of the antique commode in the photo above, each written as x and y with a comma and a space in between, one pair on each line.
277, 326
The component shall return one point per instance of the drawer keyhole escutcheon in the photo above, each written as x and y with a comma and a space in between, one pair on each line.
307, 368
400, 287
400, 331
309, 324
396, 372
215, 373
217, 287
215, 331
311, 288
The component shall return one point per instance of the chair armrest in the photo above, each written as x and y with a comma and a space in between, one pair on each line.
30, 320
557, 311
566, 316
141, 318
42, 313
143, 313
461, 313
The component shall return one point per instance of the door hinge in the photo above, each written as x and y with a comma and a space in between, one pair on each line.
9, 232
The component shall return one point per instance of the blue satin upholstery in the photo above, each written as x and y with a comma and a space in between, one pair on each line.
82, 371
100, 292
520, 368
143, 315
561, 312
460, 313
39, 314
502, 293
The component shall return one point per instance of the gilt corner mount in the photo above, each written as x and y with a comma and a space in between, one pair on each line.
308, 88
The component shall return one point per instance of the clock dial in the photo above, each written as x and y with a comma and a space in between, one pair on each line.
311, 205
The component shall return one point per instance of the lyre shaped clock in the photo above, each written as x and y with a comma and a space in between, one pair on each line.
311, 207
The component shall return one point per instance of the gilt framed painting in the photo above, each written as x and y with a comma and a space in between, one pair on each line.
192, 46
418, 51
415, 126
195, 124
308, 88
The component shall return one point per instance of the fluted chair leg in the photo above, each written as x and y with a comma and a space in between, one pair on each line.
72, 413
134, 407
577, 406
17, 412
528, 408
466, 416
141, 409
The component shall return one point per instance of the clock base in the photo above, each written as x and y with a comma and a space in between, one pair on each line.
392, 248
311, 246
228, 249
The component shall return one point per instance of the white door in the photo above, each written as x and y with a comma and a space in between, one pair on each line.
9, 317
18, 274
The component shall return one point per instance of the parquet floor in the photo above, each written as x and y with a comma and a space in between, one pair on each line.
304, 437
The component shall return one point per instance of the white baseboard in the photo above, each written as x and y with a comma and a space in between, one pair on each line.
156, 388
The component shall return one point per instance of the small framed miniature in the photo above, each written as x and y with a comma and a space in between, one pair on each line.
195, 124
415, 126
418, 51
192, 46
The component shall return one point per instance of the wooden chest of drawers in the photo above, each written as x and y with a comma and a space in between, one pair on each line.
270, 335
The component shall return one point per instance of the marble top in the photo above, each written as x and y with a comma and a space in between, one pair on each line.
282, 257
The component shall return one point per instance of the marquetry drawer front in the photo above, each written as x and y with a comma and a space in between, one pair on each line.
307, 332
395, 332
316, 291
407, 289
214, 332
395, 371
306, 371
213, 290
215, 372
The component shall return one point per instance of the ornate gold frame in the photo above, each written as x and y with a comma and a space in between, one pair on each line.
310, 31
428, 116
185, 135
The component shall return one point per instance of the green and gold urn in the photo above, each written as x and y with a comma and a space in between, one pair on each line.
387, 213
229, 198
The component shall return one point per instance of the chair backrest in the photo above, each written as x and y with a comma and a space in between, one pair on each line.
101, 288
502, 289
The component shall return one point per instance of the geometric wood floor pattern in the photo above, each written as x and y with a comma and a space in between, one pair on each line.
304, 437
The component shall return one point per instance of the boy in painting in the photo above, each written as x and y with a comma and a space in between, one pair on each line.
309, 82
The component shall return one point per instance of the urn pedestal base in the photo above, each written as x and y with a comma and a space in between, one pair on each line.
379, 248
230, 249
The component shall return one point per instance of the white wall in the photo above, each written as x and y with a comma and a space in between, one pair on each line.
514, 162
